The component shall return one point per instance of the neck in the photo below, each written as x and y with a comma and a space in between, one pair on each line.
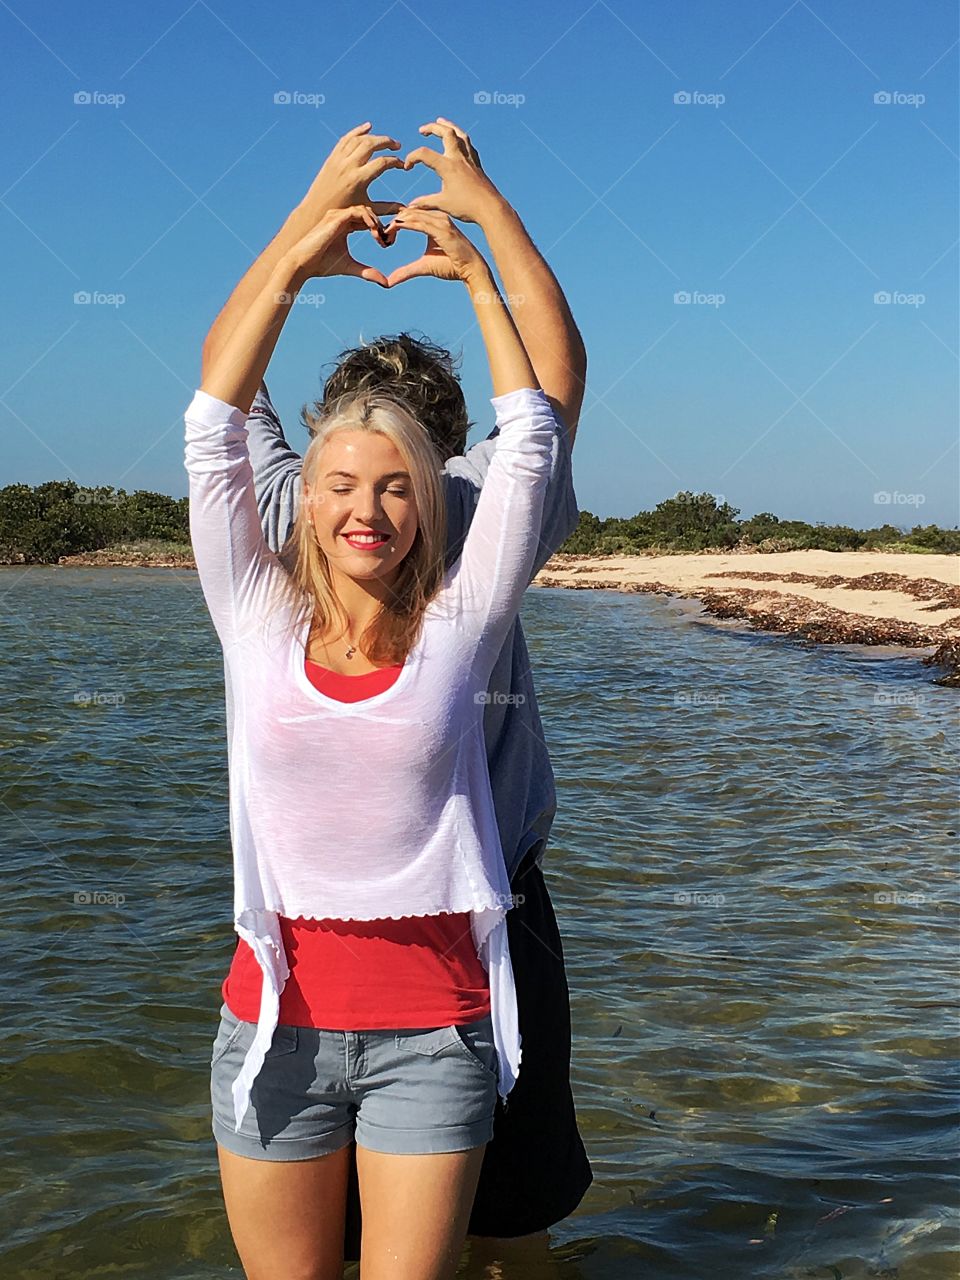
361, 598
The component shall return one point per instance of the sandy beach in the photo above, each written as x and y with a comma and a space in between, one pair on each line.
838, 597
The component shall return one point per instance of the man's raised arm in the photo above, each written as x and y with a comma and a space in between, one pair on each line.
539, 308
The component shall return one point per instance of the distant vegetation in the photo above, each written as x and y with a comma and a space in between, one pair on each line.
39, 525
697, 522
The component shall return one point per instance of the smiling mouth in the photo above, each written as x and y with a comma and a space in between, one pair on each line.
366, 541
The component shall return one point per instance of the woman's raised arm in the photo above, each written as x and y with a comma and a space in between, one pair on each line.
242, 579
239, 365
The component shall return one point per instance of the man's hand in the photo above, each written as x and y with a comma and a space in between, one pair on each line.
348, 171
467, 191
537, 304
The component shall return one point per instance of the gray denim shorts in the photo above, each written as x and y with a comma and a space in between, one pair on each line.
406, 1091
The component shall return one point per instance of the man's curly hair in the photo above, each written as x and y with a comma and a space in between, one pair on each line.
415, 371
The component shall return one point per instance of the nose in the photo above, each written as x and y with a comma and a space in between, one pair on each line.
368, 508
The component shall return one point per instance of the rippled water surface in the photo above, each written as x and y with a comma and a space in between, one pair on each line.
754, 871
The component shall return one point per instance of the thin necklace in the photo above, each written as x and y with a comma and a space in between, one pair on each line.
351, 648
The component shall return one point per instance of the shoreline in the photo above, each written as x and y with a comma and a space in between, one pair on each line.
881, 599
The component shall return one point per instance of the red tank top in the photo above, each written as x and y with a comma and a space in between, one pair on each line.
367, 975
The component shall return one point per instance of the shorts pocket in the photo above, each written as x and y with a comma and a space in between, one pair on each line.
234, 1031
475, 1040
230, 1031
471, 1040
428, 1043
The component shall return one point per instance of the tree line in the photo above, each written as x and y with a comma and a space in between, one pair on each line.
39, 525
698, 522
60, 518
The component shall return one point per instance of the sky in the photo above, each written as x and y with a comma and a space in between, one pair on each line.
789, 169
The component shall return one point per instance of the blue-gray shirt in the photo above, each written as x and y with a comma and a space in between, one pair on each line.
520, 773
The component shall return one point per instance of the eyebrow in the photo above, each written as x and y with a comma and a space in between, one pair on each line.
348, 475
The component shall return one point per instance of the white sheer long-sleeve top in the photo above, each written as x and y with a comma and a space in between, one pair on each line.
379, 808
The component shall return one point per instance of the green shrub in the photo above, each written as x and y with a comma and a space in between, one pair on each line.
690, 522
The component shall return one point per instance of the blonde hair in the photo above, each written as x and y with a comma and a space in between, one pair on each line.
395, 628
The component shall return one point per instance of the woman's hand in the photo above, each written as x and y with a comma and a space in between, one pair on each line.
449, 254
348, 171
323, 250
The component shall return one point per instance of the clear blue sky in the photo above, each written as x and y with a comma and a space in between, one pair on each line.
798, 198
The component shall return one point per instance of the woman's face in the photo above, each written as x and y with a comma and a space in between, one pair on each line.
362, 506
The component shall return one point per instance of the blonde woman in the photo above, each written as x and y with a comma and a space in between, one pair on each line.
368, 808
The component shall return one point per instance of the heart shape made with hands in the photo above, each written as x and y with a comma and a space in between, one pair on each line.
427, 264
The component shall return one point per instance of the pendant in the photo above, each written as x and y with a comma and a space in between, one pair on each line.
351, 651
